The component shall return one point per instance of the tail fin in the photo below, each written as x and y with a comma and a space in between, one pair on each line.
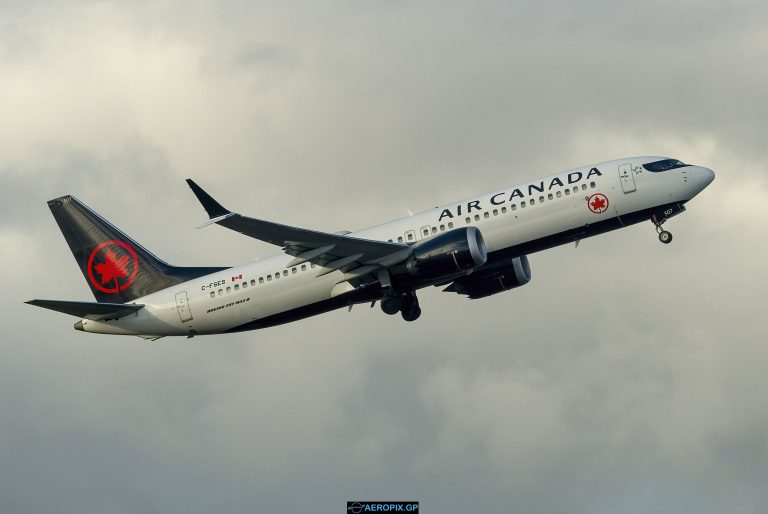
116, 268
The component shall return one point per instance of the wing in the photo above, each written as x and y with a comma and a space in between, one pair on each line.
353, 256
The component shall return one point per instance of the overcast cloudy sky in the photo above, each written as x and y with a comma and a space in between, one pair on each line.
628, 377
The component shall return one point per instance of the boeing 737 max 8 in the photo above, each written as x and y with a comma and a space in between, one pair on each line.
476, 247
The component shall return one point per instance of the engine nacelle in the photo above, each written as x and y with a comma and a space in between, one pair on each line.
498, 277
454, 252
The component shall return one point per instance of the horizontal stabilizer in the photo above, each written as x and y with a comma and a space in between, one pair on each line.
89, 310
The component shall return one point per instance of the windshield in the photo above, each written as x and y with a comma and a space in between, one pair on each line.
666, 164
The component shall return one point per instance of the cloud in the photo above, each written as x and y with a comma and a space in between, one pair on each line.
626, 377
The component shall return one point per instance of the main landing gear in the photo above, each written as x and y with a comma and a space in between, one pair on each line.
405, 303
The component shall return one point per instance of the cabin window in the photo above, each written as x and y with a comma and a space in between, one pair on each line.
390, 241
277, 275
221, 292
495, 212
409, 236
450, 224
592, 185
400, 239
229, 289
285, 272
514, 207
468, 219
504, 210
559, 194
213, 294
304, 267
442, 228
426, 231
522, 205
434, 230
269, 278
486, 215
532, 202
583, 187
261, 280
567, 191
294, 270
550, 197
253, 282
541, 199
477, 217
237, 287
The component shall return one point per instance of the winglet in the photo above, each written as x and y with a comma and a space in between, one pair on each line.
211, 206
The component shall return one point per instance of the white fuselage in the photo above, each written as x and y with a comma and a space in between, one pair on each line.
507, 218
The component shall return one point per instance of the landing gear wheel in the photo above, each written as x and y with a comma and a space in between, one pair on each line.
665, 237
409, 308
411, 314
390, 304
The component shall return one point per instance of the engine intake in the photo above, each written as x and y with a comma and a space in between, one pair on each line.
454, 252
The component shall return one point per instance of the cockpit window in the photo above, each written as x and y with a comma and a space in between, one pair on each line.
666, 164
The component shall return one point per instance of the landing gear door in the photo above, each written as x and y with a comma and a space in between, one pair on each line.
182, 306
627, 178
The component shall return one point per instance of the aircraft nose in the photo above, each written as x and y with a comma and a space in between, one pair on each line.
705, 177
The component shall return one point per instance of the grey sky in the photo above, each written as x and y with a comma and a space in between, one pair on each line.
628, 377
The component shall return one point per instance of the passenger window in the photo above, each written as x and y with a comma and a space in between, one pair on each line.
434, 230
522, 205
426, 230
293, 270
567, 192
409, 236
559, 194
477, 217
390, 241
261, 280
442, 228
532, 202
514, 206
285, 272
583, 187
495, 212
450, 224
213, 294
253, 282
549, 196
486, 215
468, 219
592, 185
237, 287
229, 289
304, 267
504, 210
541, 199
277, 275
269, 278
221, 292
400, 239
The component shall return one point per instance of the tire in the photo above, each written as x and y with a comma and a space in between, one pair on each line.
390, 305
665, 237
412, 314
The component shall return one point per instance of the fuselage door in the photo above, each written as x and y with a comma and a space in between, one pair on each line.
627, 178
182, 306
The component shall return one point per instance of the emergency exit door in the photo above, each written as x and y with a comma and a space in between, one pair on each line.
627, 178
182, 306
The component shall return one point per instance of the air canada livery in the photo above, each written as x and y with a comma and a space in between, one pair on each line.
476, 247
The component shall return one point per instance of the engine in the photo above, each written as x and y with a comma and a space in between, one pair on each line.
498, 277
457, 251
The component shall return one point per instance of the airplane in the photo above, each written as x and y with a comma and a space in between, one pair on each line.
476, 247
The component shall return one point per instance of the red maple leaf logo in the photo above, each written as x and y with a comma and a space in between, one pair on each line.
112, 267
598, 204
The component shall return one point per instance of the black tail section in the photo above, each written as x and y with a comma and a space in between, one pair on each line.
116, 268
